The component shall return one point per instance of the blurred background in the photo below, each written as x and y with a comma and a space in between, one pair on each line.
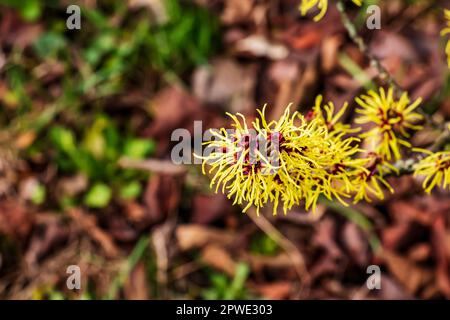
75, 103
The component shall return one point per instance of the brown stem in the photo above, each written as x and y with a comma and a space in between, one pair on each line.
383, 74
291, 250
407, 166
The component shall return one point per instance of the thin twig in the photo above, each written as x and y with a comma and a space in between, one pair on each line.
443, 138
406, 166
291, 250
153, 165
383, 74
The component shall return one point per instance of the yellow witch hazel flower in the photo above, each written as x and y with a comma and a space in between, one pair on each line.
288, 161
446, 31
391, 120
369, 180
229, 158
322, 5
436, 170
326, 113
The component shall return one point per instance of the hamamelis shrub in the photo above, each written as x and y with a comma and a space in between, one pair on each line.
298, 158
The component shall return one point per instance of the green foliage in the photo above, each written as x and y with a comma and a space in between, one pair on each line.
59, 88
30, 10
263, 245
96, 153
105, 59
17, 79
138, 148
135, 256
98, 196
39, 194
186, 37
361, 18
49, 45
130, 190
47, 293
225, 288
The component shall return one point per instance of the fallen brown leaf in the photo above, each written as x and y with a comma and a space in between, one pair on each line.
278, 262
236, 11
411, 276
192, 236
71, 186
16, 220
135, 212
120, 229
88, 223
276, 290
218, 258
440, 253
259, 46
356, 243
208, 208
403, 211
162, 196
325, 237
226, 83
49, 233
391, 290
174, 108
329, 50
420, 252
136, 285
25, 139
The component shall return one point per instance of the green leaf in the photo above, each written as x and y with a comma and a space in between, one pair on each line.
94, 140
31, 10
67, 202
49, 44
98, 196
131, 190
237, 285
138, 148
39, 193
101, 45
63, 139
264, 245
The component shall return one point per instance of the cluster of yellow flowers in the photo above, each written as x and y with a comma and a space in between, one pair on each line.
308, 156
301, 162
392, 121
299, 158
322, 5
